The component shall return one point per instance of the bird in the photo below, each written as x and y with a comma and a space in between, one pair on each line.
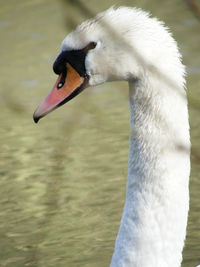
129, 44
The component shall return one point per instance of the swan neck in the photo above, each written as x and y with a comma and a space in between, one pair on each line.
153, 225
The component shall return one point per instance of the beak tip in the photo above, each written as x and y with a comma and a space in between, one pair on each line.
36, 118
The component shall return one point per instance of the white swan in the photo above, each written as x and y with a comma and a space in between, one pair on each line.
127, 44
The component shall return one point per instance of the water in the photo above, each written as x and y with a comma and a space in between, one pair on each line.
63, 181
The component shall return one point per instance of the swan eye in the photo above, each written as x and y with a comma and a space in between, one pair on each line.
90, 46
93, 45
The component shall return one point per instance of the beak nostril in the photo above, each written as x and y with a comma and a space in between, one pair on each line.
60, 85
62, 79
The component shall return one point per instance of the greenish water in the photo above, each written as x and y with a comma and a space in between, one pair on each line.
62, 184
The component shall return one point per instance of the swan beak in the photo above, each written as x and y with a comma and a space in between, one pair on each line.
61, 93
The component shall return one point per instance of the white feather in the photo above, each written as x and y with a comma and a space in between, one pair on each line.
134, 47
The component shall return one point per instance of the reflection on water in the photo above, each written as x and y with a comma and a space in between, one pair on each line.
63, 181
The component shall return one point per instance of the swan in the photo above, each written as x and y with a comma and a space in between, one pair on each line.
128, 44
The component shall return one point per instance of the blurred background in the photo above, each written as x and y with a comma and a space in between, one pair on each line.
62, 185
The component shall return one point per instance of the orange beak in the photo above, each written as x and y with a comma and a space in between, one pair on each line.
73, 85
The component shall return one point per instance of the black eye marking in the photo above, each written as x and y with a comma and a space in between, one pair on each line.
76, 58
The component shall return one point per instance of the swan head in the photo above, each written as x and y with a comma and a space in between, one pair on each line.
118, 44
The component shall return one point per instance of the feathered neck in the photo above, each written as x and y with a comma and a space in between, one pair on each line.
154, 220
